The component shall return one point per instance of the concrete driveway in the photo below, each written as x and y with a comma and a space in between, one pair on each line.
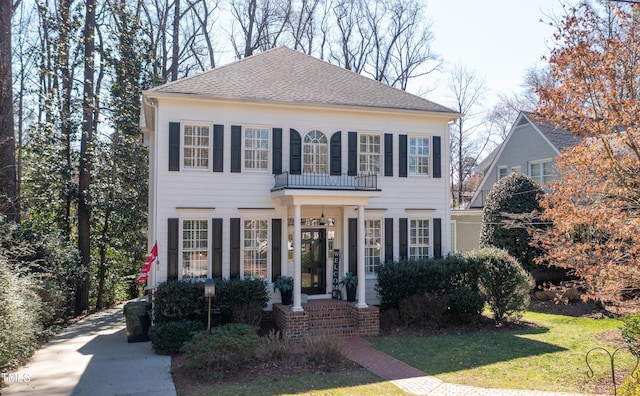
93, 357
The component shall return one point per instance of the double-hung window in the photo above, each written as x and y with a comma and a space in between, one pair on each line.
502, 172
196, 146
372, 245
419, 239
195, 249
256, 248
419, 156
256, 149
542, 172
369, 153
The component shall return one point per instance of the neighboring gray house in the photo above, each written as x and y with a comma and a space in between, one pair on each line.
530, 147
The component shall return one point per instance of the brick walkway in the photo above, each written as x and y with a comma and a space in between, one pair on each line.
414, 381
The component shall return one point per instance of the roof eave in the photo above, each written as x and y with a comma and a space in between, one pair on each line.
452, 115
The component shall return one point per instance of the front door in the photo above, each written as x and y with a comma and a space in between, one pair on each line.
314, 262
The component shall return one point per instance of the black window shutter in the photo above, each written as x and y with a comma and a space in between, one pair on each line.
388, 239
172, 249
437, 157
218, 148
174, 146
277, 151
276, 248
236, 148
216, 245
388, 154
437, 238
336, 154
352, 149
234, 253
353, 246
403, 234
402, 156
295, 152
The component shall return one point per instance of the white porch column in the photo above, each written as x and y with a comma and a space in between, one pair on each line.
297, 261
361, 276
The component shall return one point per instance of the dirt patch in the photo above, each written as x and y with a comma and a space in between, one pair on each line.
296, 364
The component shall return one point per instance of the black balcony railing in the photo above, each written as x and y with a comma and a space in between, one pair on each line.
323, 181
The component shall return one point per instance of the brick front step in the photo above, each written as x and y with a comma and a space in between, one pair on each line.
327, 317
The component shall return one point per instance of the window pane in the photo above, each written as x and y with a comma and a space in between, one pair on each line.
256, 248
196, 147
419, 156
372, 245
256, 149
370, 153
195, 248
419, 239
315, 150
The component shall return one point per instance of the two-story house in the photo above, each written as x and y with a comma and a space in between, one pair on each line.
530, 147
281, 163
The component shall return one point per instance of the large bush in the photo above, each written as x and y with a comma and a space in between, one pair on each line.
504, 284
225, 349
20, 313
168, 338
507, 214
179, 300
238, 300
400, 280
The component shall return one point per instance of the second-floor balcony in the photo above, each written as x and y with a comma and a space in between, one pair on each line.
325, 181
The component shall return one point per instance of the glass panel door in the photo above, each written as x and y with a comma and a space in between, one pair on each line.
314, 262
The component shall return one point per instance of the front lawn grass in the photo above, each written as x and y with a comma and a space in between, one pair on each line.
550, 357
356, 382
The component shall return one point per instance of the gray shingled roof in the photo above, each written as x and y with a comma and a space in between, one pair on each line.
560, 138
284, 75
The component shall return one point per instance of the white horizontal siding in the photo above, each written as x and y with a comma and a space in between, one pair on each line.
227, 192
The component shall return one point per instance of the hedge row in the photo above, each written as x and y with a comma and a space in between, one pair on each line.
177, 300
400, 280
465, 282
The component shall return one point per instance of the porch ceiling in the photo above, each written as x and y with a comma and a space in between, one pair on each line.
289, 197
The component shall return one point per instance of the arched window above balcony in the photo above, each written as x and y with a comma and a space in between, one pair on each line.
315, 148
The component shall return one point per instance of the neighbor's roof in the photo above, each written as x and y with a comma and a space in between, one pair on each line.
284, 75
559, 138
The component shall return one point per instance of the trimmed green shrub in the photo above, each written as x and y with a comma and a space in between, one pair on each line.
503, 222
631, 332
465, 304
322, 349
400, 280
179, 300
168, 338
422, 310
239, 300
20, 309
504, 284
224, 350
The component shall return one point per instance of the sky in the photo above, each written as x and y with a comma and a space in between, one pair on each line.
499, 39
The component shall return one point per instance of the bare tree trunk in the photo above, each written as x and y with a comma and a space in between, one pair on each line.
8, 187
175, 41
84, 179
65, 121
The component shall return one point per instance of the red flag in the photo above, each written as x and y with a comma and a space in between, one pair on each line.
143, 277
151, 257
